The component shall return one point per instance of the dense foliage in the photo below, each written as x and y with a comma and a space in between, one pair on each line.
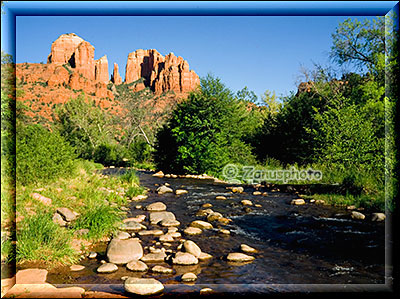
206, 131
42, 155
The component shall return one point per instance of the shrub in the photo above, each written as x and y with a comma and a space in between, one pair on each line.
42, 155
109, 154
50, 243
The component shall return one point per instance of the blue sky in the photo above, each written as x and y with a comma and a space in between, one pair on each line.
264, 52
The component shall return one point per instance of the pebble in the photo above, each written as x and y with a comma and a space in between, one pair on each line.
154, 232
192, 231
246, 202
378, 217
224, 231
297, 202
204, 256
184, 258
207, 205
143, 286
137, 266
154, 257
239, 257
189, 277
180, 191
192, 248
201, 224
107, 268
357, 215
164, 189
162, 269
76, 267
220, 197
122, 235
92, 255
156, 207
205, 291
247, 248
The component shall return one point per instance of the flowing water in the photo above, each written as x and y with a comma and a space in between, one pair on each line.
300, 248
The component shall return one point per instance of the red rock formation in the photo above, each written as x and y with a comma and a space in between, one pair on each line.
160, 74
63, 48
101, 70
60, 76
116, 77
84, 60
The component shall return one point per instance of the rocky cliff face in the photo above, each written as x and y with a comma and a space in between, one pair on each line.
161, 74
71, 69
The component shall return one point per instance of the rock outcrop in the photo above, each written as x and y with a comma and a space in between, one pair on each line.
116, 77
101, 70
161, 74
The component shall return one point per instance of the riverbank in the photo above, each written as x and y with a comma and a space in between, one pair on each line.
260, 217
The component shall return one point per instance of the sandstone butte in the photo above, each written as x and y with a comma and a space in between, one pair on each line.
72, 69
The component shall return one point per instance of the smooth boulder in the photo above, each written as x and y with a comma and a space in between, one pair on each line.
143, 286
124, 251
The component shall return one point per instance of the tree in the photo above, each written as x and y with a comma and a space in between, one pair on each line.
363, 44
205, 132
270, 101
84, 125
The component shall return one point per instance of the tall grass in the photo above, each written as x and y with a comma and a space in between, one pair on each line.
100, 221
39, 238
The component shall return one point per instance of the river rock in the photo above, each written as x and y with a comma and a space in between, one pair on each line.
139, 197
138, 266
138, 218
224, 231
156, 217
224, 220
246, 202
204, 256
92, 255
205, 291
154, 257
172, 229
192, 231
164, 189
154, 232
351, 207
131, 226
214, 216
192, 248
143, 286
181, 191
257, 193
184, 258
76, 267
239, 257
107, 268
166, 238
189, 277
162, 269
124, 251
67, 214
220, 197
169, 223
156, 207
237, 189
247, 249
159, 174
57, 219
205, 212
357, 215
297, 202
122, 235
201, 224
378, 217
207, 205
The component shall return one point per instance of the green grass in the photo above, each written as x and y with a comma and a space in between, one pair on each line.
100, 221
39, 238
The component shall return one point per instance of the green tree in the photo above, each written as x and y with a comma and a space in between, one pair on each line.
84, 124
205, 132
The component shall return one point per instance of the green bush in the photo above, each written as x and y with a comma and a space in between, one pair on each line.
109, 154
42, 155
140, 151
39, 238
